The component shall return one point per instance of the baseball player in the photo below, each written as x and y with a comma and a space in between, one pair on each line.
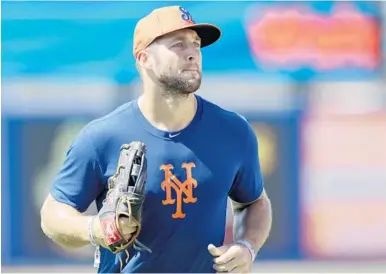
198, 156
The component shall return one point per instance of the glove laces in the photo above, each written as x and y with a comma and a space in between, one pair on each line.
137, 245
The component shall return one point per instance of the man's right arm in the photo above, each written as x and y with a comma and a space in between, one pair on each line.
67, 226
75, 187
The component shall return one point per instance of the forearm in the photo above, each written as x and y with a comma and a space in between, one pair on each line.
253, 222
70, 232
64, 225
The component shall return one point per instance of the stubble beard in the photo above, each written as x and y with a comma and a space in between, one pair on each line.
176, 87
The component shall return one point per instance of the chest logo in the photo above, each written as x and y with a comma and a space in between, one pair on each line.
183, 191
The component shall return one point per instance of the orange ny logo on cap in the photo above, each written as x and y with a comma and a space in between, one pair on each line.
185, 15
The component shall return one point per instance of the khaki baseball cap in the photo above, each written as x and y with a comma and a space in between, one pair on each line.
165, 20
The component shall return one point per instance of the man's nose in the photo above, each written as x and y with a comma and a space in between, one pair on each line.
191, 58
192, 54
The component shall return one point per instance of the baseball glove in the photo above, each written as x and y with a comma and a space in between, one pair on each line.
125, 197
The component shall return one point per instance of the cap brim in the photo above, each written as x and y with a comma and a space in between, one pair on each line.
208, 33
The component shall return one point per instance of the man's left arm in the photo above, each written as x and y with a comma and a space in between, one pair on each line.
252, 221
252, 213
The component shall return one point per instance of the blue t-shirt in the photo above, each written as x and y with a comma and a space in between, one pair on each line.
213, 158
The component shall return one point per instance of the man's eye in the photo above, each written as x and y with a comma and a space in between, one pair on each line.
197, 44
178, 45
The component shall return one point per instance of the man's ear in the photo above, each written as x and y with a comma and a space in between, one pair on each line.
143, 59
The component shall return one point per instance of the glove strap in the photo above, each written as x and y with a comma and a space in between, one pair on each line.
249, 246
92, 241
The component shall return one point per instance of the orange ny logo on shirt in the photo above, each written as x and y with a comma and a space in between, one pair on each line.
181, 189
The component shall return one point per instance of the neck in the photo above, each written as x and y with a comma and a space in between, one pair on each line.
167, 112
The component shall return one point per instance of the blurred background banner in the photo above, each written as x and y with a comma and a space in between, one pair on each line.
318, 40
308, 76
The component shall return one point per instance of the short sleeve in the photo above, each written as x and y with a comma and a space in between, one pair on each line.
248, 184
78, 181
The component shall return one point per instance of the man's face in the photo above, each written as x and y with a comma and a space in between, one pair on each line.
174, 60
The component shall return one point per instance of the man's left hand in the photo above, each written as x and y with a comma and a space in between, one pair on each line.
231, 258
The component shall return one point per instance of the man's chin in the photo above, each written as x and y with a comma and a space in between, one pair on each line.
194, 84
192, 88
183, 86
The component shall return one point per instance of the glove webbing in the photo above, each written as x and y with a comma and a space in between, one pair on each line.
137, 245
